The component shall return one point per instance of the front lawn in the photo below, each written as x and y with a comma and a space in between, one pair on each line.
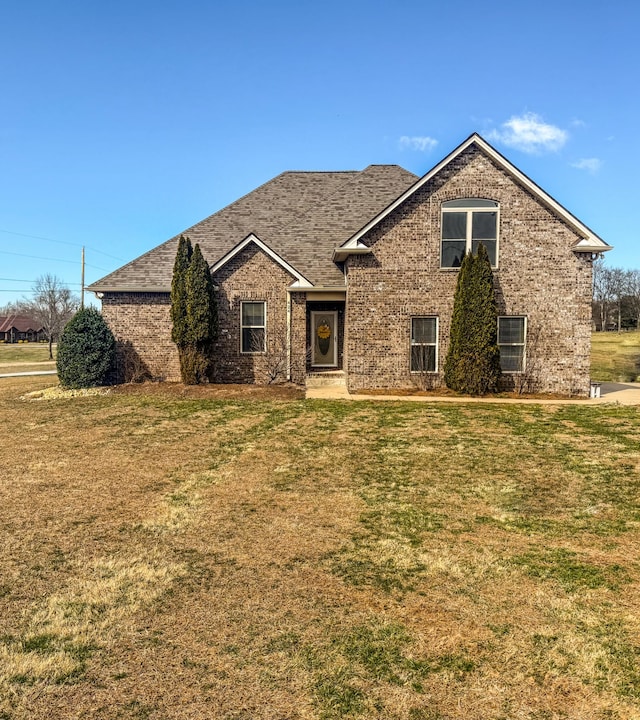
261, 559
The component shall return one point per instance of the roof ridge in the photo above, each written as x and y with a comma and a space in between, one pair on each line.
356, 174
317, 172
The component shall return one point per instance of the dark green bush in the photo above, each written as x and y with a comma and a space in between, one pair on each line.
472, 365
86, 350
193, 313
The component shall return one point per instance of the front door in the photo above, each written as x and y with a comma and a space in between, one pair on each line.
324, 329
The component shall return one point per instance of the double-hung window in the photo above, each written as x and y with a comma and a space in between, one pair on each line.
424, 344
512, 336
252, 327
465, 224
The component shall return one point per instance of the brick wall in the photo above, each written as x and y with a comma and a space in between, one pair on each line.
538, 276
251, 275
299, 344
141, 324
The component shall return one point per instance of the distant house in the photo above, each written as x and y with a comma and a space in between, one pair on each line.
355, 273
16, 328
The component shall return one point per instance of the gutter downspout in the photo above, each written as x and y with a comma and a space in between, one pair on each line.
288, 337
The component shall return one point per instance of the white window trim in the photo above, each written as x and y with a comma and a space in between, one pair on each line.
522, 344
264, 327
436, 344
469, 239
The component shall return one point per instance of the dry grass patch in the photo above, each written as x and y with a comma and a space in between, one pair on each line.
177, 555
65, 629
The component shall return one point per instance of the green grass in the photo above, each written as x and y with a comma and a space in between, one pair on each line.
615, 357
25, 352
255, 559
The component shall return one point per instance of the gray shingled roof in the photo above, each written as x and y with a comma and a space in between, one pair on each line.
302, 216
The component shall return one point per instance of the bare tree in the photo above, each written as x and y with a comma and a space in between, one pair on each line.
278, 359
526, 381
601, 291
52, 306
609, 289
618, 280
632, 291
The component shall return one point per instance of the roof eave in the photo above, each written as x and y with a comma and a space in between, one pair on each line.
97, 288
586, 245
340, 254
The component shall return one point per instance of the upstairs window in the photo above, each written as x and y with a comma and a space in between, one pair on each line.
465, 224
512, 334
252, 327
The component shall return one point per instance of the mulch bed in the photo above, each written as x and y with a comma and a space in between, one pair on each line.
212, 391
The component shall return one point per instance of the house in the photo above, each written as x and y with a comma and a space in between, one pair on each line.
20, 328
355, 272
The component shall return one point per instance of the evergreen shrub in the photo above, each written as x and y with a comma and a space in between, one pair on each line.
472, 365
86, 350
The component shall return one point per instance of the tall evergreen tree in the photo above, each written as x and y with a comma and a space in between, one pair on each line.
202, 317
455, 363
193, 312
473, 361
178, 292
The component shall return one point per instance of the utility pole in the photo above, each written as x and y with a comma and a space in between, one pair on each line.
82, 282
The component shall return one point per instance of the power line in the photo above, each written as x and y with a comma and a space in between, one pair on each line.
61, 242
30, 281
37, 257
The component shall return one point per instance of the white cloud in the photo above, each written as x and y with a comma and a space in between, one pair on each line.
530, 134
417, 142
578, 123
592, 165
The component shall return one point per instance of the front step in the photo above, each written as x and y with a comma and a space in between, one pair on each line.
324, 378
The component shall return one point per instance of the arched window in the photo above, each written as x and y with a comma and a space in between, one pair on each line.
466, 223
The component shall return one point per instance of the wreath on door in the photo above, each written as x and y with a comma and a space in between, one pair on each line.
324, 337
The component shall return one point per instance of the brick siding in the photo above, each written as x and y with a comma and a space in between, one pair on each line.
538, 276
251, 275
141, 324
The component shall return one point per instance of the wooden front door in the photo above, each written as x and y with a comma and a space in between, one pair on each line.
324, 336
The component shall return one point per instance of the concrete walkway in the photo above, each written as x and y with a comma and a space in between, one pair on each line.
27, 374
610, 393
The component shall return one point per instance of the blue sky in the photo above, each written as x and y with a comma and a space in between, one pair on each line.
123, 123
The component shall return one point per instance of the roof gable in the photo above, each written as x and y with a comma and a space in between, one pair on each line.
300, 280
589, 242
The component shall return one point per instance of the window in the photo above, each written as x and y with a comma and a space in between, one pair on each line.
465, 224
512, 332
252, 327
424, 344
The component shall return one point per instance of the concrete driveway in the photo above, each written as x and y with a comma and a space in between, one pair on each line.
621, 393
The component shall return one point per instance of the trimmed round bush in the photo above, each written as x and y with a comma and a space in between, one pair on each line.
86, 350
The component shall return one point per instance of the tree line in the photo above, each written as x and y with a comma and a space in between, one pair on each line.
616, 297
